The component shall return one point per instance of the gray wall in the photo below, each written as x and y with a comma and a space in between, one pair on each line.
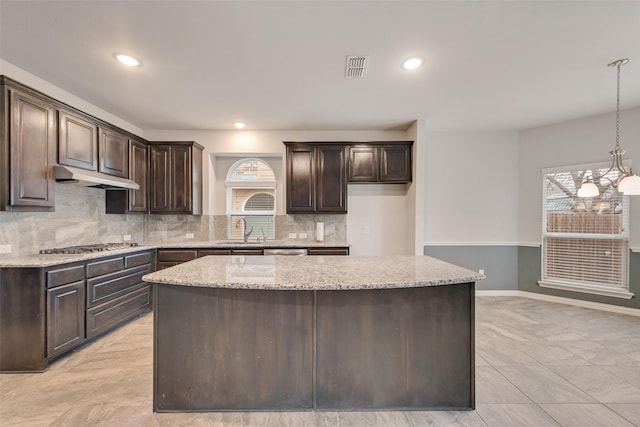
529, 272
500, 263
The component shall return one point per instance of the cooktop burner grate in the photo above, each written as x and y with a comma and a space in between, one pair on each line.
84, 249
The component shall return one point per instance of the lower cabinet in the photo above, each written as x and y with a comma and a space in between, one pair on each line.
170, 257
46, 312
65, 317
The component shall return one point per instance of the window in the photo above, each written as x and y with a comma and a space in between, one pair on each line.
251, 195
585, 241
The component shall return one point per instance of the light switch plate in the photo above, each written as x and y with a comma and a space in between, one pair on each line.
302, 235
5, 249
189, 235
126, 238
293, 235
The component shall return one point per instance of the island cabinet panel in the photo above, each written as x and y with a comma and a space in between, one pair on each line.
407, 348
256, 353
113, 153
27, 151
77, 141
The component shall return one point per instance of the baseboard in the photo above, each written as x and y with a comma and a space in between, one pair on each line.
561, 300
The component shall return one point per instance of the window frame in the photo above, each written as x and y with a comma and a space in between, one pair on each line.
248, 184
546, 281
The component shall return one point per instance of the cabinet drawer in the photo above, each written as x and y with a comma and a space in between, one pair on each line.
247, 252
135, 260
100, 289
177, 256
63, 276
121, 309
103, 267
328, 251
214, 252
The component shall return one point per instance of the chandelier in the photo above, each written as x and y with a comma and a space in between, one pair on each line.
627, 183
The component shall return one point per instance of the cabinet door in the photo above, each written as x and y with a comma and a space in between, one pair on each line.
65, 317
363, 164
300, 179
395, 163
114, 153
77, 142
331, 184
181, 179
138, 172
160, 194
32, 148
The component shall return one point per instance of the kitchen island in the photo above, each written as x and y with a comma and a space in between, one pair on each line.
313, 333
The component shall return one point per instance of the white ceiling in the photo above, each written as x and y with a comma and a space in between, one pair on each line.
280, 65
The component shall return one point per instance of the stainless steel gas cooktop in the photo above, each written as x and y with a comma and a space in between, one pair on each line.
83, 249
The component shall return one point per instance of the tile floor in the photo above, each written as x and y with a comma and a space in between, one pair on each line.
538, 364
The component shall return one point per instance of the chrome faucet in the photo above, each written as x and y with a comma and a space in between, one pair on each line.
244, 228
264, 237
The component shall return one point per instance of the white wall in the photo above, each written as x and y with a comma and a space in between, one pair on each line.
471, 188
28, 79
576, 142
382, 208
376, 219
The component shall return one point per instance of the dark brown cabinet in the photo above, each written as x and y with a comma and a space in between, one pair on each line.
175, 178
48, 311
65, 317
316, 178
27, 149
130, 201
77, 141
113, 153
380, 163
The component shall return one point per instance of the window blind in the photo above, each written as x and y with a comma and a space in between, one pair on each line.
585, 240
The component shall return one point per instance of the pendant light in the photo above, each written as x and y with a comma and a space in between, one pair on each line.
627, 183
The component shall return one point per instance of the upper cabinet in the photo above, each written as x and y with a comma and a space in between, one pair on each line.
133, 201
175, 178
316, 179
27, 149
113, 152
77, 141
83, 143
380, 162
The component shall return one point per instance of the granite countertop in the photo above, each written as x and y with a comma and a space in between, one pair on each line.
47, 260
314, 273
251, 244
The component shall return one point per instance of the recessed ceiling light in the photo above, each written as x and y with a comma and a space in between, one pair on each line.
412, 63
239, 125
127, 60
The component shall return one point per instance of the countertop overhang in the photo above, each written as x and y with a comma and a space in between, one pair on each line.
314, 273
47, 260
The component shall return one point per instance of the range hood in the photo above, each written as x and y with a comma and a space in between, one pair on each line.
85, 178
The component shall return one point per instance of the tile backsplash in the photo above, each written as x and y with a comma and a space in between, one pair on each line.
80, 218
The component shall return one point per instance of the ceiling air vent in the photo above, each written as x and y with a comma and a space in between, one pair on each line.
357, 66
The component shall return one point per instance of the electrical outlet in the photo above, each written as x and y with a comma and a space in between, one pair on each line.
302, 235
481, 271
189, 235
367, 229
126, 238
5, 249
293, 235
